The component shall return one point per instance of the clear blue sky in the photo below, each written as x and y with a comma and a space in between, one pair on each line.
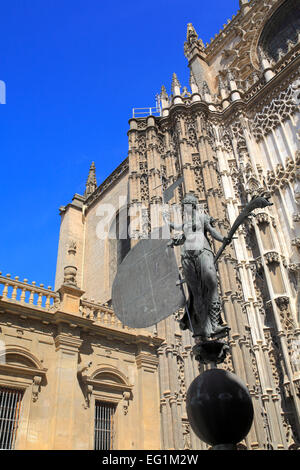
74, 69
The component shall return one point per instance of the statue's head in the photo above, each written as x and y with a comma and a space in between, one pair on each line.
191, 199
262, 200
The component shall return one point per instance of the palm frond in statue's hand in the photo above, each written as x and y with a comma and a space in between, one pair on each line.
256, 202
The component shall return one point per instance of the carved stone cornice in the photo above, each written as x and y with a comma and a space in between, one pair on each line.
67, 342
296, 242
19, 370
146, 361
282, 302
294, 267
297, 385
296, 217
107, 385
272, 257
120, 390
262, 218
36, 375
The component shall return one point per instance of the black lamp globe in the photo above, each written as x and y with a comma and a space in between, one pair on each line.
219, 408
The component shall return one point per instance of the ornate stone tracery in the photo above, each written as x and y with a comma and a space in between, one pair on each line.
283, 175
272, 115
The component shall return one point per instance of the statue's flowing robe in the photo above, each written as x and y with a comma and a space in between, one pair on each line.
203, 313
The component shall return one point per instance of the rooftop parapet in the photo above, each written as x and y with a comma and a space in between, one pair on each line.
14, 290
39, 298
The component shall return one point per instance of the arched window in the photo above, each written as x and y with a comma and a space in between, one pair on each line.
108, 394
281, 28
21, 377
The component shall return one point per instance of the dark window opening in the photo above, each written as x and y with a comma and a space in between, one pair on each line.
282, 27
104, 425
10, 405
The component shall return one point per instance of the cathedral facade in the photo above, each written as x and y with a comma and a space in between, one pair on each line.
71, 375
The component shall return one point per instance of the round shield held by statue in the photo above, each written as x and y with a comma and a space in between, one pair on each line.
144, 291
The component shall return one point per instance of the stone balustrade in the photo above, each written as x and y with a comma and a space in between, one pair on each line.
100, 313
22, 292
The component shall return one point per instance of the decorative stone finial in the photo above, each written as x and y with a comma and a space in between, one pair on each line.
175, 82
72, 247
192, 42
205, 88
230, 76
185, 92
221, 83
244, 6
266, 63
223, 91
163, 92
194, 88
176, 90
70, 275
235, 94
164, 101
191, 35
91, 183
192, 79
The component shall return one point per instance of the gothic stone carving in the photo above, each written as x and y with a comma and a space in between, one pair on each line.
280, 109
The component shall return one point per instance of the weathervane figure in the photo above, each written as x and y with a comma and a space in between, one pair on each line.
145, 290
203, 309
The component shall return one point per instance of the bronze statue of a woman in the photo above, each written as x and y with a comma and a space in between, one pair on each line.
203, 310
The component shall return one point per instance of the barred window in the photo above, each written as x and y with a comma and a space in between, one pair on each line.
10, 404
104, 425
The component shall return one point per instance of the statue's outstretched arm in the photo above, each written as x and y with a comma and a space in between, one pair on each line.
172, 226
214, 233
179, 239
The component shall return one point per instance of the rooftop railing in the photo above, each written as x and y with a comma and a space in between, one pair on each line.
22, 292
143, 112
100, 313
